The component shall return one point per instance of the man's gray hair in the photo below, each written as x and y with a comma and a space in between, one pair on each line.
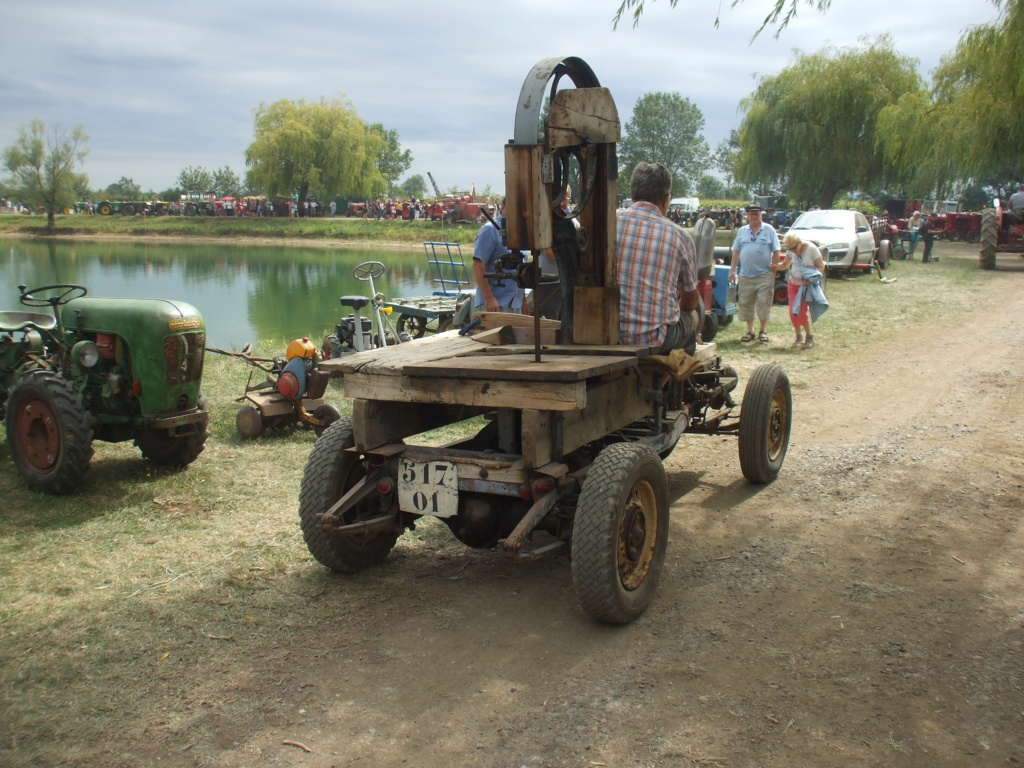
650, 182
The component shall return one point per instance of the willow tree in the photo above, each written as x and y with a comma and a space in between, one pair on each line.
972, 124
665, 128
321, 148
812, 127
43, 166
779, 14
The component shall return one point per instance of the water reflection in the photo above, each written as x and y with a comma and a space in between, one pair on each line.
245, 293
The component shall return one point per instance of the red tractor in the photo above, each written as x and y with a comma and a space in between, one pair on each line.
1001, 232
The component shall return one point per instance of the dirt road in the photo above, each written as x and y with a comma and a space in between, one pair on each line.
866, 609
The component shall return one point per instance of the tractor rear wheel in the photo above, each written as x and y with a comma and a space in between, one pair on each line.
766, 416
330, 472
48, 432
620, 533
127, 210
989, 239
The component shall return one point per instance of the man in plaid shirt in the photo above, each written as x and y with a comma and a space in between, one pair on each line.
656, 272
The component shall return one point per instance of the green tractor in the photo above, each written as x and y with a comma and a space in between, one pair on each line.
99, 369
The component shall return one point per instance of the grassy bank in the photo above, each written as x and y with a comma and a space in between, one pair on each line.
339, 229
126, 608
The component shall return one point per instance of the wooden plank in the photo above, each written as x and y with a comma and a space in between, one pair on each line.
536, 437
566, 368
615, 350
390, 359
597, 311
582, 115
490, 320
552, 396
528, 213
377, 422
611, 405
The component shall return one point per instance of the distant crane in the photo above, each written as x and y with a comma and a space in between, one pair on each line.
434, 183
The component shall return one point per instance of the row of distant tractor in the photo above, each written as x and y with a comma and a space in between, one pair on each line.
200, 205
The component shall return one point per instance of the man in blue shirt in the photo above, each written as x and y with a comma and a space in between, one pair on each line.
755, 254
493, 295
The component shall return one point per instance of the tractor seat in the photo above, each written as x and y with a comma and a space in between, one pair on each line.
356, 302
20, 321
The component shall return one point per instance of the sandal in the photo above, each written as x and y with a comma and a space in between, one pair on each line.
809, 344
749, 336
763, 337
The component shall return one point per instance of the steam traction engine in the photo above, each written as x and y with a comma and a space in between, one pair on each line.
575, 425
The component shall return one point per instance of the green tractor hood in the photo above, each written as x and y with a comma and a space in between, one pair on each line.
159, 343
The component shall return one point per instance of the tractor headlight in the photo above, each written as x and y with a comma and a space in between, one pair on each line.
86, 354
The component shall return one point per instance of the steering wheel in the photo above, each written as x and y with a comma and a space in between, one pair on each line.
61, 292
368, 270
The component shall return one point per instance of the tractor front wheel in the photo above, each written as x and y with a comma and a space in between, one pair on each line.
48, 433
163, 448
620, 533
331, 471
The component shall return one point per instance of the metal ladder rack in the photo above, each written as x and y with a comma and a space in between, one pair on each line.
447, 267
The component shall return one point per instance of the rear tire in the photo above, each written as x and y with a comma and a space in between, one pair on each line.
989, 239
766, 417
330, 471
620, 533
48, 433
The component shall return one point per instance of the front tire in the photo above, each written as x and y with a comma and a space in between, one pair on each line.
48, 433
766, 417
330, 471
165, 449
620, 533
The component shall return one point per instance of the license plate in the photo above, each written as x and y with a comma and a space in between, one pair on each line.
428, 488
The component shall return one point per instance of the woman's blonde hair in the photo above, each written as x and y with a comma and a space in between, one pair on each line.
791, 240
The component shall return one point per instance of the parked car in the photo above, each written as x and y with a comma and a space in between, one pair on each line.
846, 234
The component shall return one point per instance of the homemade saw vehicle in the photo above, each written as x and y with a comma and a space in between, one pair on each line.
574, 425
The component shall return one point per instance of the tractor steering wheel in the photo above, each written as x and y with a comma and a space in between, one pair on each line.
61, 291
367, 270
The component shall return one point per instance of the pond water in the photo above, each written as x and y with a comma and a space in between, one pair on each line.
245, 293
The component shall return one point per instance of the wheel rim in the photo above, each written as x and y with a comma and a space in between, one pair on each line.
38, 435
638, 534
777, 425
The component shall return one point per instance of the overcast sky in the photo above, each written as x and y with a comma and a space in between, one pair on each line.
160, 86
